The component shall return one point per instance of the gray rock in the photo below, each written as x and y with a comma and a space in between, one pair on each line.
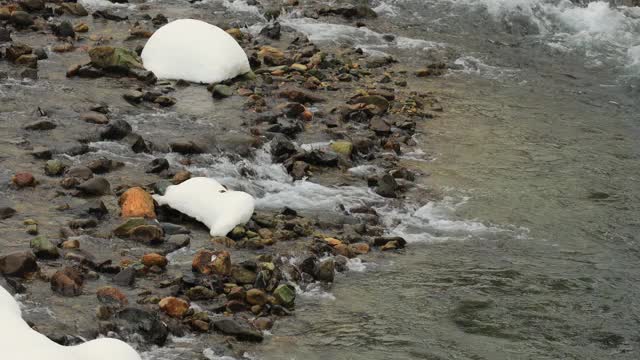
6, 212
387, 186
18, 263
326, 270
132, 321
96, 186
40, 125
235, 328
21, 19
221, 91
126, 277
156, 166
115, 130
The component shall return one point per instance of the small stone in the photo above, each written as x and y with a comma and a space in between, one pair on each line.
71, 244
165, 101
181, 176
23, 179
147, 234
94, 117
156, 166
54, 167
96, 186
242, 275
116, 130
234, 328
133, 97
200, 293
235, 33
263, 323
325, 270
112, 296
154, 259
342, 147
378, 125
360, 248
67, 282
6, 212
126, 277
285, 294
21, 19
64, 29
74, 9
256, 297
387, 186
41, 125
81, 28
221, 91
173, 306
298, 67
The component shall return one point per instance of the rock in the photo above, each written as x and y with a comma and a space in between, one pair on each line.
256, 297
359, 11
94, 117
40, 125
207, 262
186, 147
124, 229
360, 248
115, 130
200, 293
325, 270
64, 29
96, 186
67, 282
221, 91
136, 202
80, 172
263, 323
112, 297
147, 234
165, 101
285, 294
30, 60
5, 35
234, 328
74, 9
235, 33
6, 212
133, 96
242, 275
23, 179
103, 165
41, 53
173, 306
114, 59
21, 19
32, 5
126, 277
43, 248
271, 31
42, 153
299, 95
16, 50
398, 242
81, 28
381, 103
200, 325
180, 177
378, 125
322, 158
54, 167
19, 264
387, 186
71, 244
154, 259
133, 322
156, 166
342, 147
271, 56
136, 143
281, 148
299, 170
159, 20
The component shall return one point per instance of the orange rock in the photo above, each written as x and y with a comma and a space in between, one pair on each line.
154, 259
332, 241
307, 115
344, 250
207, 262
23, 179
173, 306
112, 296
360, 248
136, 202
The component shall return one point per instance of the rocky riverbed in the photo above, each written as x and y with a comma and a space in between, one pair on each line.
88, 135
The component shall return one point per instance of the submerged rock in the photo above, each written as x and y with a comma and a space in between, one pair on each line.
235, 328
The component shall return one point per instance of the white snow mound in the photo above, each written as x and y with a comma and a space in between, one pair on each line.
194, 50
205, 200
19, 342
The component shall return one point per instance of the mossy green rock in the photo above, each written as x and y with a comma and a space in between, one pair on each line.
285, 294
342, 147
43, 248
53, 167
131, 223
114, 58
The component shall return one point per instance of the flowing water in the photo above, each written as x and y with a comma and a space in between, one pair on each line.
531, 251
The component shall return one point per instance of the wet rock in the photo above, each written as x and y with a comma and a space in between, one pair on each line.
326, 270
207, 262
115, 130
85, 71
126, 277
256, 297
271, 56
299, 170
13, 286
342, 147
387, 186
322, 158
281, 148
221, 91
131, 321
154, 259
285, 294
235, 328
299, 95
43, 248
41, 125
114, 59
112, 297
30, 61
186, 147
136, 202
21, 19
359, 11
133, 96
263, 323
67, 282
360, 248
242, 275
81, 257
6, 212
32, 5
200, 293
137, 143
165, 101
94, 117
174, 307
380, 102
74, 9
271, 31
380, 126
19, 264
124, 229
42, 153
5, 35
107, 15
23, 179
96, 186
180, 177
41, 53
159, 20
81, 28
80, 172
64, 29
147, 234
156, 166
397, 241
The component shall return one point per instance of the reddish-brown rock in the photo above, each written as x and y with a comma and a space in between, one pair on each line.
67, 282
174, 306
112, 296
154, 259
23, 179
136, 202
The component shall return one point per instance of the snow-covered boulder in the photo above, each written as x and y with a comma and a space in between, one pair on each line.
19, 342
194, 50
207, 201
